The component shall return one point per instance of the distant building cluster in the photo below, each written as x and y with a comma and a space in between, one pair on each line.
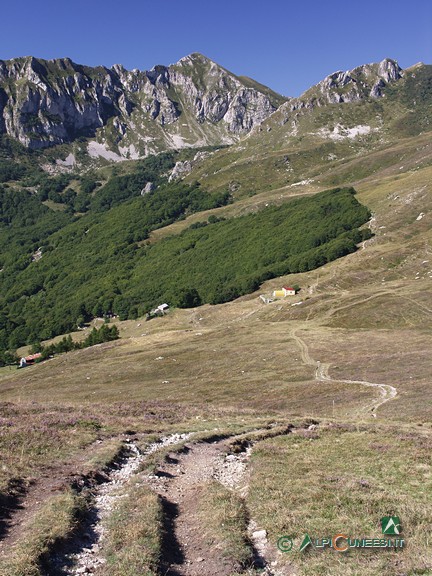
284, 291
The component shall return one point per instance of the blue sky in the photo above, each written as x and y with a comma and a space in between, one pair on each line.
288, 45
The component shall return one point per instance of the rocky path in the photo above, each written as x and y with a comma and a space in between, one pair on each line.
84, 555
178, 481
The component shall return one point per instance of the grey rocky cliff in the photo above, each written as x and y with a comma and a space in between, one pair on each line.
149, 187
359, 83
52, 104
367, 81
220, 96
193, 102
180, 169
363, 82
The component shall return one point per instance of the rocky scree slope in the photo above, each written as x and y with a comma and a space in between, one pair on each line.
194, 102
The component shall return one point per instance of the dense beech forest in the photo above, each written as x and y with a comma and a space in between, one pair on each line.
99, 263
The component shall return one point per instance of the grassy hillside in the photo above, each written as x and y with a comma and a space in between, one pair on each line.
327, 145
368, 315
362, 319
330, 389
369, 476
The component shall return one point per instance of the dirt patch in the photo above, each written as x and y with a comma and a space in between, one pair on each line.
24, 502
30, 501
10, 502
180, 482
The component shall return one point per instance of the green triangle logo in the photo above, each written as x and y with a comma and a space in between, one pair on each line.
391, 525
305, 543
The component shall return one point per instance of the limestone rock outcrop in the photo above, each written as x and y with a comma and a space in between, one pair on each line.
194, 102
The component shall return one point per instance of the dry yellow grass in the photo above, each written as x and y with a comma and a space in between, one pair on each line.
340, 479
242, 353
255, 365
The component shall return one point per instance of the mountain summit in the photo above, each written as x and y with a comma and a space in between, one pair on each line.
194, 102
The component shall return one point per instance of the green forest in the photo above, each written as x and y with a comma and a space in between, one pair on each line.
99, 264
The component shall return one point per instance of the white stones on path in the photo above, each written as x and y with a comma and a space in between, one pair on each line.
108, 494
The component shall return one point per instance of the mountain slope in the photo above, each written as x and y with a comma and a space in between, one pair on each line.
99, 265
329, 145
329, 131
329, 388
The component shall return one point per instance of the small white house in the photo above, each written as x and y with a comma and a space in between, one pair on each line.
266, 299
289, 291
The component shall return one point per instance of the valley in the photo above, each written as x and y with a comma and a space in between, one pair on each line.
232, 423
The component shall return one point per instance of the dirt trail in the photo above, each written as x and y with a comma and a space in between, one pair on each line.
178, 481
362, 299
386, 391
83, 554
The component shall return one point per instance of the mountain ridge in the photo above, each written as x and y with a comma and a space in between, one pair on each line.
193, 102
317, 134
131, 114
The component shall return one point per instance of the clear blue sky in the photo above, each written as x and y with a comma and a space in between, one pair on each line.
288, 45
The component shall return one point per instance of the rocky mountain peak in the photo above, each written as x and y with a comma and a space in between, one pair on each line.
360, 83
363, 81
195, 57
389, 70
48, 102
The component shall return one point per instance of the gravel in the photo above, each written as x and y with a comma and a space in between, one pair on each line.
89, 557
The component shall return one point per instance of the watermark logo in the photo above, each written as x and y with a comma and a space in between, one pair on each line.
391, 525
306, 542
341, 542
285, 544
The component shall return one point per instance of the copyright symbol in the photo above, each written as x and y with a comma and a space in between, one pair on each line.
285, 543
